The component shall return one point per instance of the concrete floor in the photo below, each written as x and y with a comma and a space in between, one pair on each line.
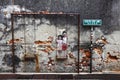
62, 76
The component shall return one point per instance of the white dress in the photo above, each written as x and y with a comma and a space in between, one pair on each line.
59, 44
65, 40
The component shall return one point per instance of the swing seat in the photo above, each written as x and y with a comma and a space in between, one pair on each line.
29, 57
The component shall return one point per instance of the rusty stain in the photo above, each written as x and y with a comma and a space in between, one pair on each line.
98, 50
14, 40
111, 58
48, 49
37, 63
42, 42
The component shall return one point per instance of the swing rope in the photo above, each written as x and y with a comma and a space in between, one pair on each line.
24, 32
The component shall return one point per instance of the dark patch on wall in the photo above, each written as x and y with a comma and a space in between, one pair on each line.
87, 8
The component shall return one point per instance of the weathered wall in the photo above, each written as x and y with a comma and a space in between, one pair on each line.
107, 10
87, 8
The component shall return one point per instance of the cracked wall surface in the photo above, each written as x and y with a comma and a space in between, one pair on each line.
105, 51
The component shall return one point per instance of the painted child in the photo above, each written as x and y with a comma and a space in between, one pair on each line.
59, 44
64, 45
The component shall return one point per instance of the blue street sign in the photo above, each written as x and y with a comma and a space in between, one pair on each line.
92, 22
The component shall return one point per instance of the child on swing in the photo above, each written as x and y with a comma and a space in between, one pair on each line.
59, 45
64, 45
